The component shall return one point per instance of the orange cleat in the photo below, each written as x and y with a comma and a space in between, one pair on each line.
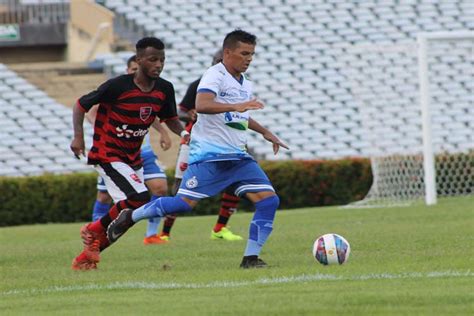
91, 242
83, 264
156, 240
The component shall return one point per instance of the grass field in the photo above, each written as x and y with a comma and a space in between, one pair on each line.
405, 261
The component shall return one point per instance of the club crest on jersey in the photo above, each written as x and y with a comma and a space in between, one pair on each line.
135, 178
192, 183
145, 113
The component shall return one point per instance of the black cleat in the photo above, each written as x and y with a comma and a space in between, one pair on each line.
250, 262
120, 225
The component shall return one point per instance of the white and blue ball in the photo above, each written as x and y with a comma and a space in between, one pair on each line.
330, 249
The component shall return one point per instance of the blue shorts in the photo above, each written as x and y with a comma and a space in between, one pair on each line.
205, 179
151, 170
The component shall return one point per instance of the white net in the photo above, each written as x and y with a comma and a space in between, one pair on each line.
385, 84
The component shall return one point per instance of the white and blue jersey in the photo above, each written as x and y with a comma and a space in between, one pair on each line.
151, 170
218, 157
221, 136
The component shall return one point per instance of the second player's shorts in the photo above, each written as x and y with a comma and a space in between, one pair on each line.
151, 170
205, 179
121, 180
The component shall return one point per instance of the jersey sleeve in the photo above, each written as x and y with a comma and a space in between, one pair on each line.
103, 94
210, 81
168, 110
189, 99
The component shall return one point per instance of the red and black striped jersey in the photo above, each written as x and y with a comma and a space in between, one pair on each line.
189, 101
124, 116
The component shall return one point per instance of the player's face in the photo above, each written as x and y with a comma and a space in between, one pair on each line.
151, 62
240, 57
132, 68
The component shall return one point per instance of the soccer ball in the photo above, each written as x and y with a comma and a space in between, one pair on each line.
331, 249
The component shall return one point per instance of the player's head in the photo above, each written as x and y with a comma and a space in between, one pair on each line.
132, 65
150, 56
217, 57
239, 48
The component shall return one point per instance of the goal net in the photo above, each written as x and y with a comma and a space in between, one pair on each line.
417, 108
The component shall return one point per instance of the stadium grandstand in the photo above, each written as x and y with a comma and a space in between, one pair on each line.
307, 61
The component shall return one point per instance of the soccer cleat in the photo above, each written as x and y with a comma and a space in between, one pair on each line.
120, 225
250, 262
156, 239
91, 242
84, 264
225, 234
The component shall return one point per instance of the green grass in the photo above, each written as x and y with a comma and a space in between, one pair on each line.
405, 261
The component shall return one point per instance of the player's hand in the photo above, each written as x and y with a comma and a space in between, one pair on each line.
192, 115
78, 147
277, 143
165, 141
185, 139
253, 104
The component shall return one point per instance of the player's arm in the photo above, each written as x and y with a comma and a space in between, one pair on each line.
255, 126
187, 115
176, 127
206, 104
165, 140
77, 144
92, 114
83, 105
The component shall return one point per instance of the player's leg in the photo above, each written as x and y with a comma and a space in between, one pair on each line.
126, 186
257, 188
155, 180
167, 225
229, 204
181, 166
200, 180
103, 200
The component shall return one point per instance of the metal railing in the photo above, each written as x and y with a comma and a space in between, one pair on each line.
34, 11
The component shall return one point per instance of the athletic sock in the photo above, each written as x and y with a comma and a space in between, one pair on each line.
168, 224
99, 210
228, 207
161, 207
153, 223
261, 225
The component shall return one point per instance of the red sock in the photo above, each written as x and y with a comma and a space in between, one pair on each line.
100, 225
228, 207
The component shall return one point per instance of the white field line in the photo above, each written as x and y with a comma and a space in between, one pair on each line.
234, 284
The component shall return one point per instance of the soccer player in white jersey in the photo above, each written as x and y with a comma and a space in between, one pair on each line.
218, 157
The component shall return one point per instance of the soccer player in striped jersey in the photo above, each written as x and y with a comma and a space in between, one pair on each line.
218, 158
155, 177
229, 202
128, 105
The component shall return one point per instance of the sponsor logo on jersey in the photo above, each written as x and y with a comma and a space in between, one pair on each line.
124, 131
145, 113
235, 120
183, 166
135, 178
192, 183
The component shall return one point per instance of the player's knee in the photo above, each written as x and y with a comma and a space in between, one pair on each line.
138, 199
266, 208
158, 187
273, 201
104, 197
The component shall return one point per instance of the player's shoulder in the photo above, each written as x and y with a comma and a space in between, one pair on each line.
216, 70
163, 83
121, 79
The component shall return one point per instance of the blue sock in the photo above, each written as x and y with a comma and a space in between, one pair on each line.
99, 210
161, 207
153, 223
261, 225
